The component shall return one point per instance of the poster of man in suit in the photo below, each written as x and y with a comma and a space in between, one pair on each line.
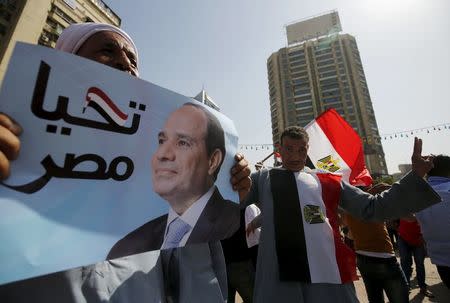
191, 149
109, 158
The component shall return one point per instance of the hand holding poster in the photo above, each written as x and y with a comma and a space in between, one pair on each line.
110, 153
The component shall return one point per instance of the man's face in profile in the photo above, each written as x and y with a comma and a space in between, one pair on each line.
181, 169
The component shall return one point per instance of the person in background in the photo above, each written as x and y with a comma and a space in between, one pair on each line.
411, 245
435, 220
376, 259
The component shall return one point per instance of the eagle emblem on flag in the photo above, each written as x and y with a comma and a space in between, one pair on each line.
313, 214
328, 163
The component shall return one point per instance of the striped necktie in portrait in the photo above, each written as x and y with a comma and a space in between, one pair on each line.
175, 232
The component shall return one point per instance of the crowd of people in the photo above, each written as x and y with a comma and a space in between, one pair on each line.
300, 257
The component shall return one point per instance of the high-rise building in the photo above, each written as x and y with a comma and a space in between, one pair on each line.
42, 21
319, 69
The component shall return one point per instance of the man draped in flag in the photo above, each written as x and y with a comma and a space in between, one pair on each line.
301, 256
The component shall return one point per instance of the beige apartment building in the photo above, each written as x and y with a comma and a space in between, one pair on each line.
312, 75
42, 21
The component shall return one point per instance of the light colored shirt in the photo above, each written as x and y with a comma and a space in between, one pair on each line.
435, 223
251, 212
190, 216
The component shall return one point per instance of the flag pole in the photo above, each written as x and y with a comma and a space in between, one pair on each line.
259, 164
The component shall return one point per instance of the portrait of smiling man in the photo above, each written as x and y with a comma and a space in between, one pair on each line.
191, 150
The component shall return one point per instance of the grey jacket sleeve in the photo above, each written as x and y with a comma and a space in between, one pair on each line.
409, 195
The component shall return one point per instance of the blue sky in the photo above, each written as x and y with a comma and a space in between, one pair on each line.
224, 45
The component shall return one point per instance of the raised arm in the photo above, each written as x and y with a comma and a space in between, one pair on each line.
421, 165
411, 194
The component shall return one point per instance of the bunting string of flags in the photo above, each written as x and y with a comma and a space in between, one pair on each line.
383, 137
412, 132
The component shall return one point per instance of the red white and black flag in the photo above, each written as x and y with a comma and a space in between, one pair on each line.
312, 250
334, 146
98, 99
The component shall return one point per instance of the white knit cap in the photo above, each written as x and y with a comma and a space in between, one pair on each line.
74, 36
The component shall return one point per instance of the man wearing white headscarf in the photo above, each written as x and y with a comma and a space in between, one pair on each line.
73, 37
103, 43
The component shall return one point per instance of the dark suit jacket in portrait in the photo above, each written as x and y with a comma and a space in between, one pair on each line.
218, 220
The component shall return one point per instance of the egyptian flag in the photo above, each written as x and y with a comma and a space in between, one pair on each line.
334, 146
307, 240
98, 99
278, 160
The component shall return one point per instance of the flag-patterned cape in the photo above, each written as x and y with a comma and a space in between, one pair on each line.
306, 228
